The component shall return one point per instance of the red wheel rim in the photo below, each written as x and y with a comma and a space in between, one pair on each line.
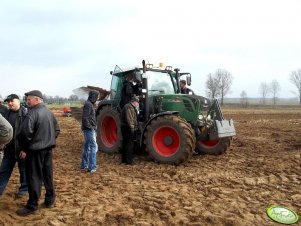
109, 131
166, 141
209, 143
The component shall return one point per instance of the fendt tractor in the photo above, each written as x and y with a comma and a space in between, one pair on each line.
173, 126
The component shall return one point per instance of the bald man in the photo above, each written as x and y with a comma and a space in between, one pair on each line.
12, 152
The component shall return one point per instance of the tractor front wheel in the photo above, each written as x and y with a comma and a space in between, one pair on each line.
109, 138
169, 139
213, 147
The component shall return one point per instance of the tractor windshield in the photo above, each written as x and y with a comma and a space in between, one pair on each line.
160, 83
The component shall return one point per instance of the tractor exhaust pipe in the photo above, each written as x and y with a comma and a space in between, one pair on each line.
145, 92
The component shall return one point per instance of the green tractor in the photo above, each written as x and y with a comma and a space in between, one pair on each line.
173, 126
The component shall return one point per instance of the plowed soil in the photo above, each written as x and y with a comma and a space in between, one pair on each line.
262, 167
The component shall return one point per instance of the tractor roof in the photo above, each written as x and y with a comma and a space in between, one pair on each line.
122, 71
119, 71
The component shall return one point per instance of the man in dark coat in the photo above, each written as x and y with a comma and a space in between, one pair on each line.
129, 90
129, 125
89, 129
37, 138
12, 152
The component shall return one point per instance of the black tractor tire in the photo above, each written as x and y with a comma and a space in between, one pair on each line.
213, 147
169, 139
109, 137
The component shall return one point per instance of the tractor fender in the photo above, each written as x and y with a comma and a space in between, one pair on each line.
154, 116
102, 104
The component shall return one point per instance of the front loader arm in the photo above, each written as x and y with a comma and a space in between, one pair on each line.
215, 111
220, 127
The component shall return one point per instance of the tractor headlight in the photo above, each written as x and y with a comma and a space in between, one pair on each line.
149, 66
168, 68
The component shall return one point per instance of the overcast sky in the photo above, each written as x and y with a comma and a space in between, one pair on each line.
57, 46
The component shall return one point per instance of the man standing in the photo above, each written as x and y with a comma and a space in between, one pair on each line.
6, 134
89, 129
184, 88
37, 137
12, 152
129, 125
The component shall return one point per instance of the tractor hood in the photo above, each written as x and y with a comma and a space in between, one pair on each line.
188, 106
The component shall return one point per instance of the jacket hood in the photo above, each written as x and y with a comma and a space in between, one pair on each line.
93, 96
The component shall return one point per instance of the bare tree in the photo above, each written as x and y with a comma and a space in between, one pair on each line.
212, 86
244, 99
295, 78
225, 81
274, 88
263, 91
218, 84
73, 97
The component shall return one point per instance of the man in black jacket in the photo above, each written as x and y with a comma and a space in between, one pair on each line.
38, 137
129, 90
12, 152
89, 129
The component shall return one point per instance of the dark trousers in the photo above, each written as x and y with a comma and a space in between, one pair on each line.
39, 170
128, 145
6, 169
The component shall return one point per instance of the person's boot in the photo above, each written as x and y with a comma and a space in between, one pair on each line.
25, 212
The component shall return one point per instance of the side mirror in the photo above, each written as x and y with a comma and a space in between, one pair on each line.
188, 79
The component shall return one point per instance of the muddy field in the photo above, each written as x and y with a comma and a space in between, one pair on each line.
262, 167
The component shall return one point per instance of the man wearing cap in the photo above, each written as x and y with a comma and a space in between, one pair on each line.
12, 151
38, 137
129, 126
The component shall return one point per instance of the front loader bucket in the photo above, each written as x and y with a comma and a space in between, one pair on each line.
221, 129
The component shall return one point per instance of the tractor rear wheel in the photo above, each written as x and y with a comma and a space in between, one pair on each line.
169, 139
109, 138
213, 147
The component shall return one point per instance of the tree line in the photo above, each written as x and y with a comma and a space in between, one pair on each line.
218, 85
55, 99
